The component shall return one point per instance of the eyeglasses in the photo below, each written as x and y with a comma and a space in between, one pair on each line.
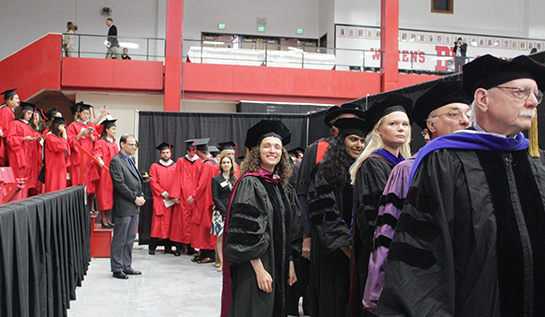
424, 133
453, 114
523, 93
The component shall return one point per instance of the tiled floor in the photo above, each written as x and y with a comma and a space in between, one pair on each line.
169, 286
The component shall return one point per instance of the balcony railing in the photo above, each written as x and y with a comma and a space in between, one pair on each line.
94, 46
263, 54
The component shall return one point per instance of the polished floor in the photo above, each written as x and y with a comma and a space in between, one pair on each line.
169, 286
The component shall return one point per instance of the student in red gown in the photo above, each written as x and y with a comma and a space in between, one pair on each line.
7, 115
162, 176
105, 149
82, 131
57, 151
188, 169
22, 144
201, 220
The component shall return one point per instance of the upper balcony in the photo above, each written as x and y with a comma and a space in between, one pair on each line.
209, 71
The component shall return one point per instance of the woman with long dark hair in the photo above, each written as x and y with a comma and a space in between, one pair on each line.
262, 232
23, 144
222, 185
387, 145
330, 213
7, 115
56, 154
105, 149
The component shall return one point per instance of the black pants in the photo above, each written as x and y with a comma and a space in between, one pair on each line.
299, 289
155, 242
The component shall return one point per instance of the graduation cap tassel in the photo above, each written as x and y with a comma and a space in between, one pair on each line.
533, 136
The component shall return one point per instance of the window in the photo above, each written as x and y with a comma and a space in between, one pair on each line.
442, 6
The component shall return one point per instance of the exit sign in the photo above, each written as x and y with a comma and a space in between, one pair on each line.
260, 29
299, 31
221, 26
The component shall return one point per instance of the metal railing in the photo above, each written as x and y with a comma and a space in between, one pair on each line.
263, 54
346, 59
94, 46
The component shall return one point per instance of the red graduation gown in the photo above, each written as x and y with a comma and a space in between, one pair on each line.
185, 183
7, 115
105, 189
56, 156
162, 178
90, 174
201, 221
21, 154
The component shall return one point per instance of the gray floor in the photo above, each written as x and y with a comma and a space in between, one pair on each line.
169, 286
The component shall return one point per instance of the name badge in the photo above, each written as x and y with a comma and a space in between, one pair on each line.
225, 183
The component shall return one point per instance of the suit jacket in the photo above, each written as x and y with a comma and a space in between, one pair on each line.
127, 186
112, 36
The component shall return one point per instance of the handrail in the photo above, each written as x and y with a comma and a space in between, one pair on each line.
81, 170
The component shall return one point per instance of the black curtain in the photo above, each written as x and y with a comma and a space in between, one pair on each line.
44, 252
174, 127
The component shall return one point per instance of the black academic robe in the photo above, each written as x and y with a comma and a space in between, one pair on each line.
330, 212
471, 238
368, 187
263, 223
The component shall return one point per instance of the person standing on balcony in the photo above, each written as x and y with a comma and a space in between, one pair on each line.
7, 114
113, 44
67, 37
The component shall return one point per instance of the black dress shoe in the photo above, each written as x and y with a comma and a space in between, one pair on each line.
151, 252
132, 271
120, 275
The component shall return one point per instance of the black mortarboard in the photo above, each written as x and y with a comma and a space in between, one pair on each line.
108, 123
267, 128
75, 107
40, 113
164, 146
392, 103
443, 93
50, 113
201, 144
230, 145
84, 106
213, 150
59, 120
296, 151
27, 106
349, 126
488, 71
8, 93
335, 111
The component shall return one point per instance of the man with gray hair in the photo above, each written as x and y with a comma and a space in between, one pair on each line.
128, 197
471, 237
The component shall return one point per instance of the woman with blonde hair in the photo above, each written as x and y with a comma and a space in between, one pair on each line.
222, 185
387, 145
262, 228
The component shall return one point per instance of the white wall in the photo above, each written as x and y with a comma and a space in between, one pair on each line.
24, 21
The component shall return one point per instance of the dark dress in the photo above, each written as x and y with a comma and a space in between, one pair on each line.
264, 223
221, 193
471, 239
330, 212
368, 187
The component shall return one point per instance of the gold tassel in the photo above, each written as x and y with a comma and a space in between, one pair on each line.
533, 136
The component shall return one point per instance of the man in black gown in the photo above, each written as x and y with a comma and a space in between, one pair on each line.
471, 238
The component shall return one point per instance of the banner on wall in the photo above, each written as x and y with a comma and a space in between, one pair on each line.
422, 50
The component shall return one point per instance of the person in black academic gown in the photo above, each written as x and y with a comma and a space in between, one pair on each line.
262, 232
471, 237
330, 212
387, 144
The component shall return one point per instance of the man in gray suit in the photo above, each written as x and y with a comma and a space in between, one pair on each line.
128, 197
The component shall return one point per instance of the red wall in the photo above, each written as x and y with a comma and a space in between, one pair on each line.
33, 68
112, 74
408, 79
272, 83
